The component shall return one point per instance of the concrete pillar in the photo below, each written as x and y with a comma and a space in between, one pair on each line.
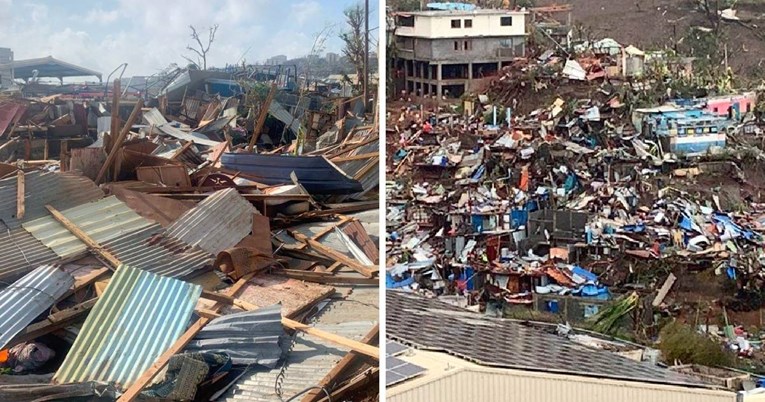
470, 77
439, 77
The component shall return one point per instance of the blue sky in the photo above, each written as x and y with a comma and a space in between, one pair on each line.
151, 34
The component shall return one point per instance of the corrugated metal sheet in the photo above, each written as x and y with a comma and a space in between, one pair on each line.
20, 253
102, 220
136, 241
370, 180
149, 250
219, 222
312, 358
29, 297
139, 316
493, 385
308, 362
61, 190
250, 337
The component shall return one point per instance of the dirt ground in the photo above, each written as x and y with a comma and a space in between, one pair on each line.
659, 23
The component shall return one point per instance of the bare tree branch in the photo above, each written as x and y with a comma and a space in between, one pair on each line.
202, 51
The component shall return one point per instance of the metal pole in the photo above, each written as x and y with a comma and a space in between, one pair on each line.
366, 54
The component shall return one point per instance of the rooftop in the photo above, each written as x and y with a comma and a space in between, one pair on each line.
50, 67
432, 325
456, 13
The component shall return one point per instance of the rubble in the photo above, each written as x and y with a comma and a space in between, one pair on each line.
582, 188
133, 240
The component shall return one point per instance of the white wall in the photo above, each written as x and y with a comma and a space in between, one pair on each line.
440, 26
491, 385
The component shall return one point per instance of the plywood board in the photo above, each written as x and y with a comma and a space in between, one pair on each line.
265, 290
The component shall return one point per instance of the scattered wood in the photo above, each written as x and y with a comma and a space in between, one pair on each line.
54, 322
665, 288
20, 195
120, 139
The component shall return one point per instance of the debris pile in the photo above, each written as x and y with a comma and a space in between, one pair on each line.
188, 246
572, 183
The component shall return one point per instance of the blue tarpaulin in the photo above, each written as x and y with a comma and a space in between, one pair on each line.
518, 218
587, 275
477, 221
390, 283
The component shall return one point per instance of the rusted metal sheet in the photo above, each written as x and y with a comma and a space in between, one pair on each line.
138, 317
169, 176
29, 297
10, 113
88, 161
356, 232
219, 222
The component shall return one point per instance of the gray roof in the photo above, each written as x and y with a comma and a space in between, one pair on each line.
20, 253
49, 67
61, 190
29, 297
430, 324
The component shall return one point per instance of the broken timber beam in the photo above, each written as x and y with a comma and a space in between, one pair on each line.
367, 270
20, 195
262, 117
325, 277
364, 349
330, 379
54, 322
118, 142
84, 237
665, 288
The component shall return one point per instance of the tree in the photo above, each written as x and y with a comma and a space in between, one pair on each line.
354, 38
202, 51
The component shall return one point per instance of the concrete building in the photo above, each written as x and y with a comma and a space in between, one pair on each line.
332, 58
276, 60
445, 51
6, 67
439, 352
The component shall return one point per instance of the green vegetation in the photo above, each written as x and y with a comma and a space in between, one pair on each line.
679, 342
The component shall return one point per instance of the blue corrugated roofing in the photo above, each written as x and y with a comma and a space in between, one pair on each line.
139, 316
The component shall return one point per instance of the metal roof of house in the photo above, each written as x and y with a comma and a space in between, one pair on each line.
249, 337
102, 220
370, 180
138, 317
148, 249
434, 325
61, 190
49, 67
20, 253
29, 297
135, 240
219, 222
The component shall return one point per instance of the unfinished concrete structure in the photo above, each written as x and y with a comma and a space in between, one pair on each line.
443, 52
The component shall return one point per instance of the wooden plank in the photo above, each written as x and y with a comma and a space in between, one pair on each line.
120, 139
330, 380
181, 150
63, 155
84, 281
262, 117
367, 270
80, 234
248, 197
326, 231
355, 157
54, 322
20, 195
665, 288
364, 349
370, 376
325, 277
177, 347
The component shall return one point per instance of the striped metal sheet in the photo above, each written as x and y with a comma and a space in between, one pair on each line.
61, 190
20, 253
312, 358
217, 223
139, 316
249, 337
149, 250
102, 220
370, 180
29, 297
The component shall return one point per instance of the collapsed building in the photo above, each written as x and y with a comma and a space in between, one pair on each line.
215, 242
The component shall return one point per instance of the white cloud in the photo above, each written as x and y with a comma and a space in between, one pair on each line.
151, 34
